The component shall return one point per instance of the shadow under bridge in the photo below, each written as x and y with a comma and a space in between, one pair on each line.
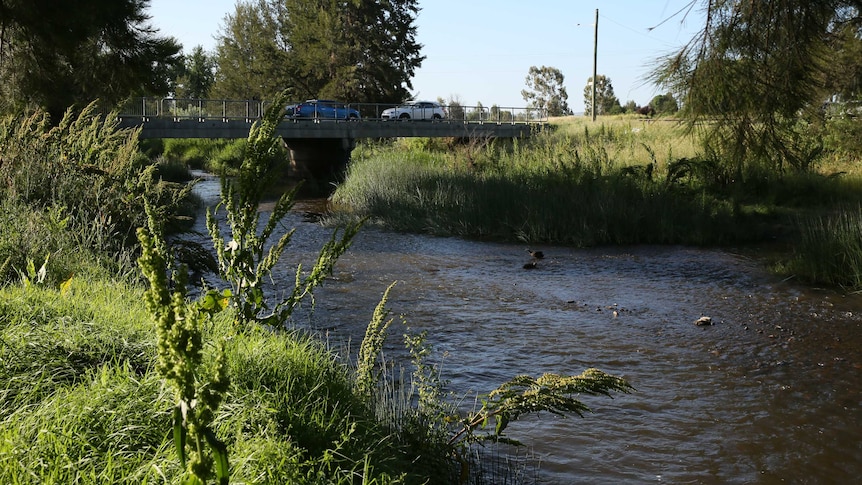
320, 144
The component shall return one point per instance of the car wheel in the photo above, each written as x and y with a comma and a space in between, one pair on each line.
437, 117
404, 116
353, 117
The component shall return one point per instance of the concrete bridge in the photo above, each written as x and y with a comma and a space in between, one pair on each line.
319, 147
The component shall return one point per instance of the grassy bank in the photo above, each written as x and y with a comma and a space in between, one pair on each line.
619, 181
214, 156
85, 398
83, 403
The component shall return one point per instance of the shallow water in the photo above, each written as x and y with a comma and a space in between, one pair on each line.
769, 394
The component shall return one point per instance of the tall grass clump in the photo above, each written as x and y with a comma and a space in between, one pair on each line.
597, 186
829, 251
621, 181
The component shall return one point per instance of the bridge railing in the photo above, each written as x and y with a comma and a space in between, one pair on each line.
252, 109
464, 114
199, 109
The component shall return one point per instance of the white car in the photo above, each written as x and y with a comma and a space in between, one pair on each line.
415, 110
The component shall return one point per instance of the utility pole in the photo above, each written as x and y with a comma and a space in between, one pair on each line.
595, 59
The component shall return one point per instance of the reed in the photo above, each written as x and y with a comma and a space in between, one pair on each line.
830, 249
564, 187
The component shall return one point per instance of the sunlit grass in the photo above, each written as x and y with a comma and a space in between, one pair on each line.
630, 139
576, 184
81, 401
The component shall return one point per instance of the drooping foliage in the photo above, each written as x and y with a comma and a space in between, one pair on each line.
56, 54
756, 67
361, 51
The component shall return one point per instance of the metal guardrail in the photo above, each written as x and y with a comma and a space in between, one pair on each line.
249, 110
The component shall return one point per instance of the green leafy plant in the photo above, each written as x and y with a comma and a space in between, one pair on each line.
524, 394
74, 190
198, 390
247, 259
437, 420
372, 346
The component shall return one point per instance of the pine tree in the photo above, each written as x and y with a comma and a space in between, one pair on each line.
56, 54
198, 75
755, 67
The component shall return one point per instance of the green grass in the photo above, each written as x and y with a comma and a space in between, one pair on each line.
829, 249
215, 156
82, 403
556, 189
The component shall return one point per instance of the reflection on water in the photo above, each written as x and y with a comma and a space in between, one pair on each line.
769, 393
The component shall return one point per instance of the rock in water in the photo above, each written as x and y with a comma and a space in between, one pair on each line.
703, 321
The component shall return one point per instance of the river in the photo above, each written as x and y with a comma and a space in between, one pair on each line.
768, 394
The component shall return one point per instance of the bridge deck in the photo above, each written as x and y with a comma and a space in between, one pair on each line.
310, 129
201, 118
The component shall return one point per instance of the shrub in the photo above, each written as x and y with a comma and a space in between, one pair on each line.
74, 188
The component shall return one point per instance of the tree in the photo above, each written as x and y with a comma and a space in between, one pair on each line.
755, 66
197, 75
664, 104
455, 107
478, 113
56, 54
545, 91
253, 54
606, 100
843, 76
361, 51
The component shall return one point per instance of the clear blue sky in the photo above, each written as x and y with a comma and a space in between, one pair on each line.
481, 50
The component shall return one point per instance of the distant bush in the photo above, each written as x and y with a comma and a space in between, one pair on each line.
664, 104
216, 156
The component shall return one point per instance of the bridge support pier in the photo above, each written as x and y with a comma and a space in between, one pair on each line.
318, 158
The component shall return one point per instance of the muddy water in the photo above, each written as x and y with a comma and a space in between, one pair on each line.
769, 394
